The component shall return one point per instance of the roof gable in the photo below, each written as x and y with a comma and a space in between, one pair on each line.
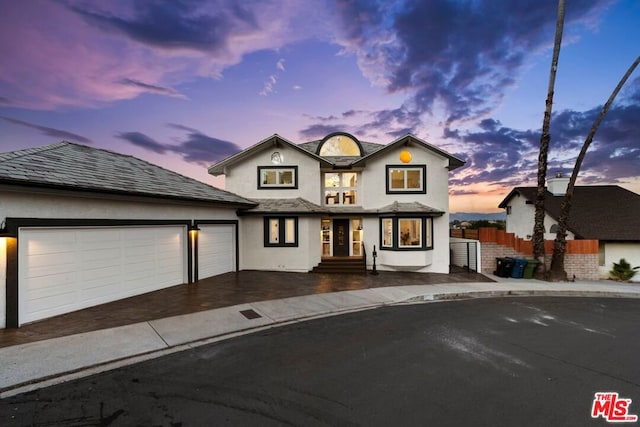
72, 166
411, 140
274, 140
368, 150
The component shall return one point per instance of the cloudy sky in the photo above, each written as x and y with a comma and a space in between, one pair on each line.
186, 83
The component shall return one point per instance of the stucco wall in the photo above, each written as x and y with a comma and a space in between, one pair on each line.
242, 178
35, 205
255, 256
374, 180
522, 218
63, 205
437, 196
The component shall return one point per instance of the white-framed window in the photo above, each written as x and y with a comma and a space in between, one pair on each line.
406, 179
410, 230
277, 177
340, 188
387, 233
281, 231
411, 233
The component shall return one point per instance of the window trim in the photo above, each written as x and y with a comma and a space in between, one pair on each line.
423, 176
341, 189
293, 186
282, 225
426, 225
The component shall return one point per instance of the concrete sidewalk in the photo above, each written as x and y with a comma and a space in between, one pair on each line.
39, 364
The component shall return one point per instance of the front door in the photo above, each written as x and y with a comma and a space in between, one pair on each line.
340, 237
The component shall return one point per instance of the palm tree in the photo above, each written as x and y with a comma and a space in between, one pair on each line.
559, 244
545, 138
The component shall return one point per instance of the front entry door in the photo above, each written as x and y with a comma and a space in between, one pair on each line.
340, 237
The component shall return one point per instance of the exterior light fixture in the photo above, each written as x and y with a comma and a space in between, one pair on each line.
405, 156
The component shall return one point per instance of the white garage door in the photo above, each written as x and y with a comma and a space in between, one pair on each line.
216, 250
67, 269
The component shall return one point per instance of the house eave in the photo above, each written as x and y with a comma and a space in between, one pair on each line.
408, 140
274, 140
100, 193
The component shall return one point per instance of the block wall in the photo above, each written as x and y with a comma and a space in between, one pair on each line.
581, 256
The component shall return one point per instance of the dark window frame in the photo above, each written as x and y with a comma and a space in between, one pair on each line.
282, 220
395, 235
390, 190
278, 186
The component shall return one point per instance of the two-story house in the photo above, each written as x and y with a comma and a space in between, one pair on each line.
340, 197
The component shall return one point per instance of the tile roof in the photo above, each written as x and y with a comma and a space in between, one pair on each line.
603, 212
302, 206
73, 166
409, 208
297, 205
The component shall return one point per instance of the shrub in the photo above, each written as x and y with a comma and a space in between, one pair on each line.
622, 270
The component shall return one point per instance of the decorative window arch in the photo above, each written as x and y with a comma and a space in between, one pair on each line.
340, 144
554, 228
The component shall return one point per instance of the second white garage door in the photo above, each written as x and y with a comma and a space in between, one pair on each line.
216, 249
67, 269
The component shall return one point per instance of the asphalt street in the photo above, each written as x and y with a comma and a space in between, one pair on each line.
482, 362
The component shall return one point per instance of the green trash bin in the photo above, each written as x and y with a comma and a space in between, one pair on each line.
529, 269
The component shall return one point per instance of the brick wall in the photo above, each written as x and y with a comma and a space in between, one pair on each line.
581, 256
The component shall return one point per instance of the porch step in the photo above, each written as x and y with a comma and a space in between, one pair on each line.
341, 265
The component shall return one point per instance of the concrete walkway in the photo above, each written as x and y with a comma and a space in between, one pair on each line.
39, 364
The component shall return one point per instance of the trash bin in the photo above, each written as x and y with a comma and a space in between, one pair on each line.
530, 268
518, 268
504, 267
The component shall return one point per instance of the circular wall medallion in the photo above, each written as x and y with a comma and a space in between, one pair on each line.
405, 156
276, 158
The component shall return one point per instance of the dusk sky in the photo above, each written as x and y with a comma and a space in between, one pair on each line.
186, 83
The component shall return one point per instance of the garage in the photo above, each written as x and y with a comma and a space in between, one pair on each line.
216, 249
67, 269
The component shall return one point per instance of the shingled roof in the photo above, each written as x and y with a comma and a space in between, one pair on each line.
603, 212
71, 166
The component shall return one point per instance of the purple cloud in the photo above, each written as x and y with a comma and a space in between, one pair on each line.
196, 148
460, 55
160, 90
48, 131
177, 24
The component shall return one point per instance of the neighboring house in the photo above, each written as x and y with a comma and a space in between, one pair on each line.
607, 213
338, 197
81, 226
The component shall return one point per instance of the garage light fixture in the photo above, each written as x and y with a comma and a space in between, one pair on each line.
4, 231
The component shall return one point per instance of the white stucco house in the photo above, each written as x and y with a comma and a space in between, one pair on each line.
607, 213
80, 226
340, 197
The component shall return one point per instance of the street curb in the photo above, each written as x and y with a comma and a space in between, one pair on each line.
82, 372
529, 293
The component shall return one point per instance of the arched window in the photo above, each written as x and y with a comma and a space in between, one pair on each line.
554, 228
340, 144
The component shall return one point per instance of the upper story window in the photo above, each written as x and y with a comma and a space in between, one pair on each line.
340, 145
283, 177
406, 179
340, 188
